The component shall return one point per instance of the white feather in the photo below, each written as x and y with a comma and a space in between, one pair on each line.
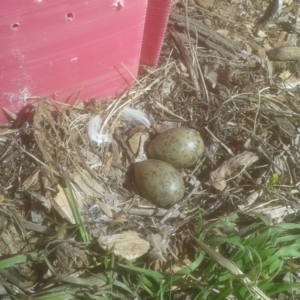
94, 129
135, 115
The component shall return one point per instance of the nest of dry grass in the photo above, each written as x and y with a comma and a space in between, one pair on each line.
249, 123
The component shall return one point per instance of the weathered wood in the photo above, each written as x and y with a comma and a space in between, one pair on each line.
284, 53
207, 36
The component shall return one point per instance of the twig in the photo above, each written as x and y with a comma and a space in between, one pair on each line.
189, 64
227, 149
258, 108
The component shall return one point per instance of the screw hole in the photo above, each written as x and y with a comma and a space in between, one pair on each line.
74, 60
70, 16
119, 4
15, 26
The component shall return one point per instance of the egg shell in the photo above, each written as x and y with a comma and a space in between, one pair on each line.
182, 147
158, 182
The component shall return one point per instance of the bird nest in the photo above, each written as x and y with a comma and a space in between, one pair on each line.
65, 181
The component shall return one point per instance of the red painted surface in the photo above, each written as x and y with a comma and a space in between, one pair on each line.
156, 23
65, 48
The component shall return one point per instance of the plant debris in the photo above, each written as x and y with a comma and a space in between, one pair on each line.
71, 217
219, 176
127, 244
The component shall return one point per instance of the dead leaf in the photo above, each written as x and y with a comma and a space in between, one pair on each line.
43, 117
173, 269
106, 209
127, 244
43, 200
261, 53
224, 32
211, 76
169, 83
225, 171
90, 157
32, 180
113, 199
134, 137
159, 244
285, 75
280, 164
165, 125
116, 174
207, 22
250, 200
62, 206
261, 34
141, 155
134, 142
89, 186
205, 3
279, 44
120, 218
248, 48
108, 164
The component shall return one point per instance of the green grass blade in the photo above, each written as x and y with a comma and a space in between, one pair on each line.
10, 262
76, 214
63, 295
152, 274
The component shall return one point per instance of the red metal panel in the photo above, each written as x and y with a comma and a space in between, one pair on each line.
156, 23
64, 47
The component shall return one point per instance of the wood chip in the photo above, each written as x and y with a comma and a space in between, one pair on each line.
62, 206
127, 244
205, 3
284, 54
219, 177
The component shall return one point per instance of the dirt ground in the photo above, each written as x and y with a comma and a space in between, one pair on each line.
226, 70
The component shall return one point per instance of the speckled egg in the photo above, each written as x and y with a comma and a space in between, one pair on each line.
181, 147
158, 182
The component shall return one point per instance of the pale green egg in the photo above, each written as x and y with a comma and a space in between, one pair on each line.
159, 182
182, 147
